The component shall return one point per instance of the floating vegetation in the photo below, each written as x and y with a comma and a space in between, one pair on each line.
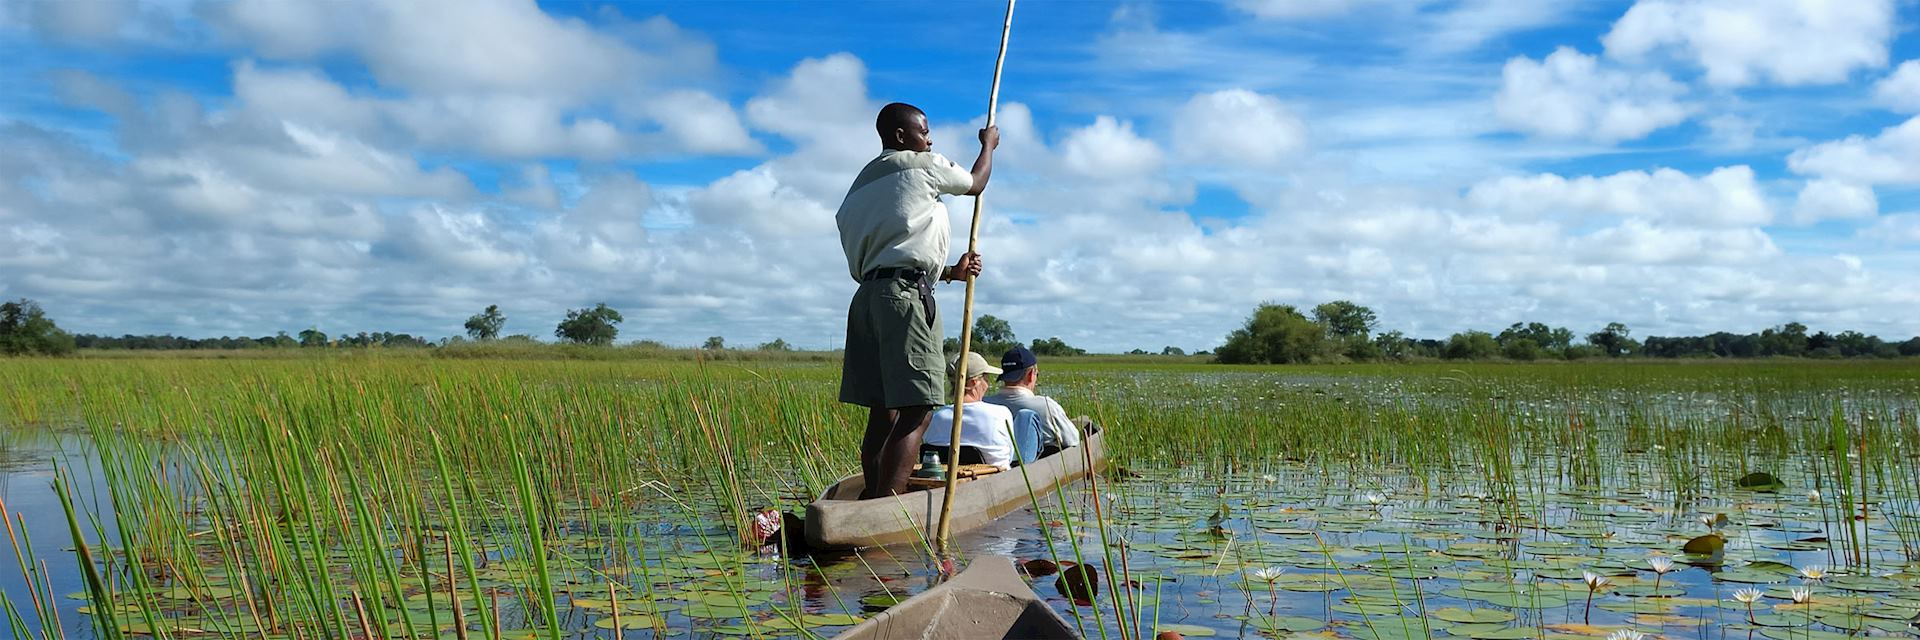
407, 498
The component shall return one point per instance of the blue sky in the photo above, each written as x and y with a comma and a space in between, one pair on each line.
1683, 166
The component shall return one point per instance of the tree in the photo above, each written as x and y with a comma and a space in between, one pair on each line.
1789, 339
487, 324
1853, 344
992, 336
1583, 352
1345, 319
1614, 341
1274, 334
715, 343
1471, 345
311, 337
1055, 347
594, 326
1522, 349
778, 344
1348, 326
1534, 340
991, 329
1172, 351
26, 330
1394, 344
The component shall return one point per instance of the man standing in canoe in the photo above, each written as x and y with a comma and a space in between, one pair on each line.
895, 232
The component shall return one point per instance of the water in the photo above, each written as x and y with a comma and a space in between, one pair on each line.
27, 460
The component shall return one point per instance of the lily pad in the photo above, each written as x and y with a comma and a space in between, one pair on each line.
830, 619
1294, 624
1760, 481
1455, 614
1708, 545
1187, 630
628, 622
1405, 628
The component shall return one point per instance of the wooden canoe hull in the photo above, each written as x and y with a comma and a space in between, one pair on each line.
988, 600
839, 520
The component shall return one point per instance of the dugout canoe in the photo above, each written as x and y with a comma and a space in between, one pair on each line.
988, 600
840, 520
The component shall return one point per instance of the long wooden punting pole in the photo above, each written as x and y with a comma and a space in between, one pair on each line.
966, 314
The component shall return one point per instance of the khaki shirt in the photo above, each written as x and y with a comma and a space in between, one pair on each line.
893, 217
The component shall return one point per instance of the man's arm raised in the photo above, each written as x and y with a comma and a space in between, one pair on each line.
983, 165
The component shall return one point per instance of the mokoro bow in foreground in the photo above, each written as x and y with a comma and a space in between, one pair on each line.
988, 600
840, 520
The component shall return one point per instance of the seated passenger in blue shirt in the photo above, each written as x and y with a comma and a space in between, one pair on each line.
1019, 374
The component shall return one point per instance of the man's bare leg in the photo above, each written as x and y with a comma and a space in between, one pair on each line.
900, 451
879, 426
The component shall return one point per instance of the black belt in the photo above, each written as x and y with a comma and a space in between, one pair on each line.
922, 281
914, 274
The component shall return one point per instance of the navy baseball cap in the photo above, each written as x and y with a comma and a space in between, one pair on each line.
1015, 362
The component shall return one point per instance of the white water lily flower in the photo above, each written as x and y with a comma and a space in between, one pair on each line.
1802, 595
1813, 573
1375, 498
1747, 596
1268, 477
1594, 581
1660, 564
1269, 574
1813, 496
1626, 634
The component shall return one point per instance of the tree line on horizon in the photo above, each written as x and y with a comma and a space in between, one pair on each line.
1338, 331
993, 336
1344, 331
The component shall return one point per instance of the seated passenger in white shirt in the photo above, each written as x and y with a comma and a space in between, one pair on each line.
986, 430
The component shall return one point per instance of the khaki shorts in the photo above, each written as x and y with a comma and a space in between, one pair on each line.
893, 356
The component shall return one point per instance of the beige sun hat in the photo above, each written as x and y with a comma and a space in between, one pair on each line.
976, 366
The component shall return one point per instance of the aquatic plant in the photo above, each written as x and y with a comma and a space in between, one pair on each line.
1747, 597
1595, 583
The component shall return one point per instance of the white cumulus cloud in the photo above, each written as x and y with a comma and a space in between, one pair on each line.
1900, 228
1745, 42
1641, 242
448, 46
1109, 149
1571, 95
1727, 196
1893, 157
1237, 127
701, 124
1833, 199
1900, 90
1300, 9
